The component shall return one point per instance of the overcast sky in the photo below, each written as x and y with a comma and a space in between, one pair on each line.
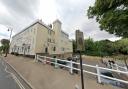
17, 14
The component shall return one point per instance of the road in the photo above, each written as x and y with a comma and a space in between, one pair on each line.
9, 79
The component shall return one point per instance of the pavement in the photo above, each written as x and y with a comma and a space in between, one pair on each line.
47, 77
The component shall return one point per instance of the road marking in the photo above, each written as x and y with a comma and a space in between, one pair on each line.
18, 82
13, 76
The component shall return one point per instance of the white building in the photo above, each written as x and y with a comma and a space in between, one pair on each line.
41, 38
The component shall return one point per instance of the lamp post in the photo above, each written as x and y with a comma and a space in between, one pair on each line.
10, 34
9, 40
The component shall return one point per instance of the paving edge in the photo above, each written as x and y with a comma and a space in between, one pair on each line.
19, 74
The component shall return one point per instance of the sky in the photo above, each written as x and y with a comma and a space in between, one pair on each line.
17, 14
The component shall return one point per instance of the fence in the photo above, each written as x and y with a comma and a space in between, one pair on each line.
54, 61
118, 67
114, 65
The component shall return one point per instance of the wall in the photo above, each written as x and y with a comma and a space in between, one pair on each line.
26, 37
44, 39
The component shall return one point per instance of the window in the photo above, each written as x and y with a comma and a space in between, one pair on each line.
33, 40
46, 50
62, 49
54, 48
31, 30
22, 49
28, 48
34, 31
49, 40
53, 40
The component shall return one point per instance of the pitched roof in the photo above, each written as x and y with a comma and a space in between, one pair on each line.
41, 23
35, 22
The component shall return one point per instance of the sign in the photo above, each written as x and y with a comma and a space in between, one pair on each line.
79, 41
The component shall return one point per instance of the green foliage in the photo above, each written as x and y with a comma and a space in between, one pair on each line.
112, 16
5, 41
5, 45
98, 48
104, 47
122, 46
92, 48
117, 49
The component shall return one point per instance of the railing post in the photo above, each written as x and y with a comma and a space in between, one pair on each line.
98, 74
35, 56
71, 67
126, 69
56, 64
35, 60
112, 65
44, 60
117, 68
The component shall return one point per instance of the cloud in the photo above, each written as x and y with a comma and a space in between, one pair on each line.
5, 32
74, 16
72, 13
18, 13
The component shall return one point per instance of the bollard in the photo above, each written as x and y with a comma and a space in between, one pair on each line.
98, 74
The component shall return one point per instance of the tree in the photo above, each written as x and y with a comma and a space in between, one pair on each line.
89, 43
107, 47
5, 46
98, 48
5, 41
112, 16
122, 48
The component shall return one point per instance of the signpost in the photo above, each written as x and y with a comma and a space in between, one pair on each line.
79, 48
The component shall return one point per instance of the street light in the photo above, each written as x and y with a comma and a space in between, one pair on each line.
9, 39
10, 33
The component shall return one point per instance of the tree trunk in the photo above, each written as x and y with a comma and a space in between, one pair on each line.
6, 52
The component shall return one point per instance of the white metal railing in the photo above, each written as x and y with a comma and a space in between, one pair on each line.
114, 66
46, 59
117, 67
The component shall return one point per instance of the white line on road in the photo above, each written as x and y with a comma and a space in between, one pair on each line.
13, 76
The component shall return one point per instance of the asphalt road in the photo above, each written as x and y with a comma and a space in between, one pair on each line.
6, 79
9, 79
